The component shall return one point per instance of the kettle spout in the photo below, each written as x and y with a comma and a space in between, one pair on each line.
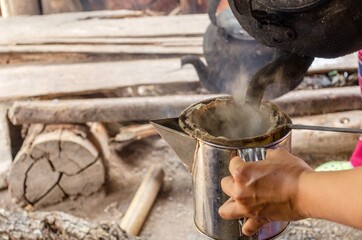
182, 144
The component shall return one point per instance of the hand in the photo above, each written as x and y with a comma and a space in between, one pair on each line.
263, 191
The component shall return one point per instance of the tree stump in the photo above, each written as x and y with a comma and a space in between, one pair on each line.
55, 162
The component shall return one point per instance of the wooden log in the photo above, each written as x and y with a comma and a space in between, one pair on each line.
61, 6
133, 133
6, 157
100, 138
143, 200
328, 100
317, 147
20, 224
295, 103
105, 110
20, 7
55, 162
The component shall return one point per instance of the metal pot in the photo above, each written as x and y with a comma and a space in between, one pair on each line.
208, 161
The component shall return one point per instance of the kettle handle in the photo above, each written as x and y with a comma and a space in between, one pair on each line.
250, 155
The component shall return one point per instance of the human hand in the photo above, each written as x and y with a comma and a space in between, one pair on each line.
264, 191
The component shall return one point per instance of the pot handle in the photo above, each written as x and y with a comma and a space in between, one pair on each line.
250, 155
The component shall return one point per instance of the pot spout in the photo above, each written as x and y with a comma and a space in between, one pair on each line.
182, 144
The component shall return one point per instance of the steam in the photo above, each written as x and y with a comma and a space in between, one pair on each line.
238, 119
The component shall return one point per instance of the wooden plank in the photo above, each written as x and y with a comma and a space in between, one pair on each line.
346, 63
129, 50
111, 27
63, 79
110, 24
163, 41
40, 80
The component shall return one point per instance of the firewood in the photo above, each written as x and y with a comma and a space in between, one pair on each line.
100, 133
105, 110
328, 100
20, 224
54, 162
143, 200
133, 133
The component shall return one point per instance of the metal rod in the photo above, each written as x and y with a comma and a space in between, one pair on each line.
327, 129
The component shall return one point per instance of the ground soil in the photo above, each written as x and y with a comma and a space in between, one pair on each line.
171, 216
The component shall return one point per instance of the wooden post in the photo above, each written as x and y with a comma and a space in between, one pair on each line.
20, 7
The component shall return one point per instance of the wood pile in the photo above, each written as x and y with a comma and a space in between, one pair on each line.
106, 66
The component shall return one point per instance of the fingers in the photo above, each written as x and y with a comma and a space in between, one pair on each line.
228, 209
227, 185
236, 167
231, 210
235, 163
252, 225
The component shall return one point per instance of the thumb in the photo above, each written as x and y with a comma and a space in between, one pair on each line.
252, 225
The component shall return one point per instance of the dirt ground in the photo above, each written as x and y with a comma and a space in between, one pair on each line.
171, 216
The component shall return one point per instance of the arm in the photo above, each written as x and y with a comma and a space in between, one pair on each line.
284, 187
334, 196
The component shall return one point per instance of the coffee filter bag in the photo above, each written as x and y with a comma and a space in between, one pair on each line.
226, 122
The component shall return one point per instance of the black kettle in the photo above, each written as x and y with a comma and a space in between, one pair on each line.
232, 57
298, 31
